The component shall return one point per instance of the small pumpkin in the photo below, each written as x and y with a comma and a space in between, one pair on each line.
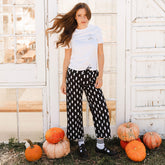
54, 135
57, 150
128, 131
124, 143
136, 151
152, 140
32, 152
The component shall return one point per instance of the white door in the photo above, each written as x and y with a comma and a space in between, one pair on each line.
22, 48
107, 15
145, 64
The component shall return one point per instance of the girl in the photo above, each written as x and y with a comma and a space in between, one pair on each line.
83, 71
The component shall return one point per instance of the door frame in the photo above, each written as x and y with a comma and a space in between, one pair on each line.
51, 113
121, 65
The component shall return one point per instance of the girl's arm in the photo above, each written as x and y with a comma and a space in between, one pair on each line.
99, 80
66, 63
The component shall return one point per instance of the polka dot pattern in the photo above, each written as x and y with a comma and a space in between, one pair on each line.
78, 82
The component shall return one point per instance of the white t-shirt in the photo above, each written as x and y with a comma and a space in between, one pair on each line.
84, 44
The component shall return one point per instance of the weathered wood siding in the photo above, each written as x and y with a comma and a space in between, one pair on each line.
145, 64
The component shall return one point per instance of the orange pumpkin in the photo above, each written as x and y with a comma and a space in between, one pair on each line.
136, 151
128, 131
32, 152
57, 150
152, 140
124, 143
54, 135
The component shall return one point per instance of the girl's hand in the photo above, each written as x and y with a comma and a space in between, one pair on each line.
63, 88
99, 82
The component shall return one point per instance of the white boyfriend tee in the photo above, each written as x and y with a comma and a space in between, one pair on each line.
84, 44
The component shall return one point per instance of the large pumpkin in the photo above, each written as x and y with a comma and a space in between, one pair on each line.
124, 143
54, 135
128, 131
152, 140
32, 152
57, 150
136, 151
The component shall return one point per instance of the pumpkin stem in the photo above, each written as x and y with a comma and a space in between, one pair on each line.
30, 142
128, 126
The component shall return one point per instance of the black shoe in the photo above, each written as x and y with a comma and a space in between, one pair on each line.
83, 151
106, 151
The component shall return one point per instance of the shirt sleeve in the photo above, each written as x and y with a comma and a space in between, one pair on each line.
99, 35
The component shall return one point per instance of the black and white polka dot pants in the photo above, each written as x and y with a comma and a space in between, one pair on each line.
76, 83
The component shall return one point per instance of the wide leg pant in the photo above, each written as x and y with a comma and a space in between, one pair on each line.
76, 83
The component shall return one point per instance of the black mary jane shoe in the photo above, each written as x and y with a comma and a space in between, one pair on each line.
106, 151
83, 152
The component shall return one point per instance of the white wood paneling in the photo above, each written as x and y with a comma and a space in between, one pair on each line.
150, 98
150, 122
145, 66
148, 39
147, 9
153, 68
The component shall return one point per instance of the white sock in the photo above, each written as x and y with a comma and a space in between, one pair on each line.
100, 144
81, 141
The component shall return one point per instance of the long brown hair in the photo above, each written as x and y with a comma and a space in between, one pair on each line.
67, 24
